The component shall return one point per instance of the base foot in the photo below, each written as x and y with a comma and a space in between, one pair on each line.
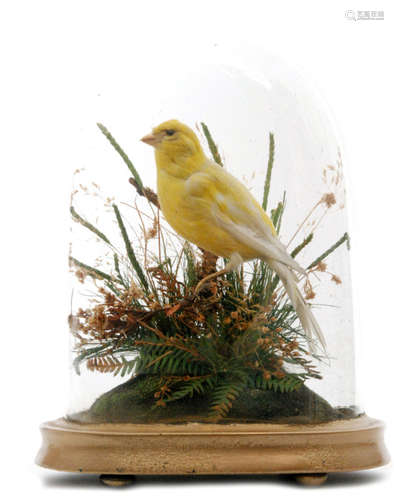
116, 480
311, 479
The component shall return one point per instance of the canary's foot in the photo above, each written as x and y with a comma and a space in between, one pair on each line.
235, 261
210, 277
117, 479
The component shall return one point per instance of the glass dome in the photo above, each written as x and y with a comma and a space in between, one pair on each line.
210, 273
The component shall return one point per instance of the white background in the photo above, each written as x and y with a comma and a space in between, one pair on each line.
54, 54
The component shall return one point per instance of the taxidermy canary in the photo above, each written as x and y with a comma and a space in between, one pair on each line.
212, 209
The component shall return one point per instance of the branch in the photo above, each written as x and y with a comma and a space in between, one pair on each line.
126, 159
302, 245
267, 183
324, 255
211, 144
129, 249
88, 225
92, 271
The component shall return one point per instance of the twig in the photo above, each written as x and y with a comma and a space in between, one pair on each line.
344, 238
126, 159
92, 271
303, 222
117, 269
267, 183
129, 249
88, 225
302, 245
277, 213
158, 359
211, 144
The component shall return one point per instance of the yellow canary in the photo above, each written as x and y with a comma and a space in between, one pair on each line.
209, 207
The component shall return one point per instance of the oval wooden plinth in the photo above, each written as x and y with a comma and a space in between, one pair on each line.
344, 445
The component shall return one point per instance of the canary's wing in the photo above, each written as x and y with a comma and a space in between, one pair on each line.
232, 207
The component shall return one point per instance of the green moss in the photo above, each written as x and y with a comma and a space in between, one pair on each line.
134, 402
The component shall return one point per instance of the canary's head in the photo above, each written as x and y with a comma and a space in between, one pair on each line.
174, 140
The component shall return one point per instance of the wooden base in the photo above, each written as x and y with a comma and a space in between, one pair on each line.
309, 451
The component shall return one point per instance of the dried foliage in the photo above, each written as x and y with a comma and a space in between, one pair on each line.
240, 332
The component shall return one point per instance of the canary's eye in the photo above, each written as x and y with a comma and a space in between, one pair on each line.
170, 132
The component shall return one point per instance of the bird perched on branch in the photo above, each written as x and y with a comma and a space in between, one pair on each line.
212, 209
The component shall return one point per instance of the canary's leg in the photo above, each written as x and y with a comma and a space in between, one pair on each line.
235, 261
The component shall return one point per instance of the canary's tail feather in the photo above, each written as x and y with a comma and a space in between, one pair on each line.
308, 321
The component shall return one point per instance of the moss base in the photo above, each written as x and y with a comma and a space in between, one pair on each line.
133, 402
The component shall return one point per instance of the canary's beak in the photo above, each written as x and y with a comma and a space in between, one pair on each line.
153, 139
